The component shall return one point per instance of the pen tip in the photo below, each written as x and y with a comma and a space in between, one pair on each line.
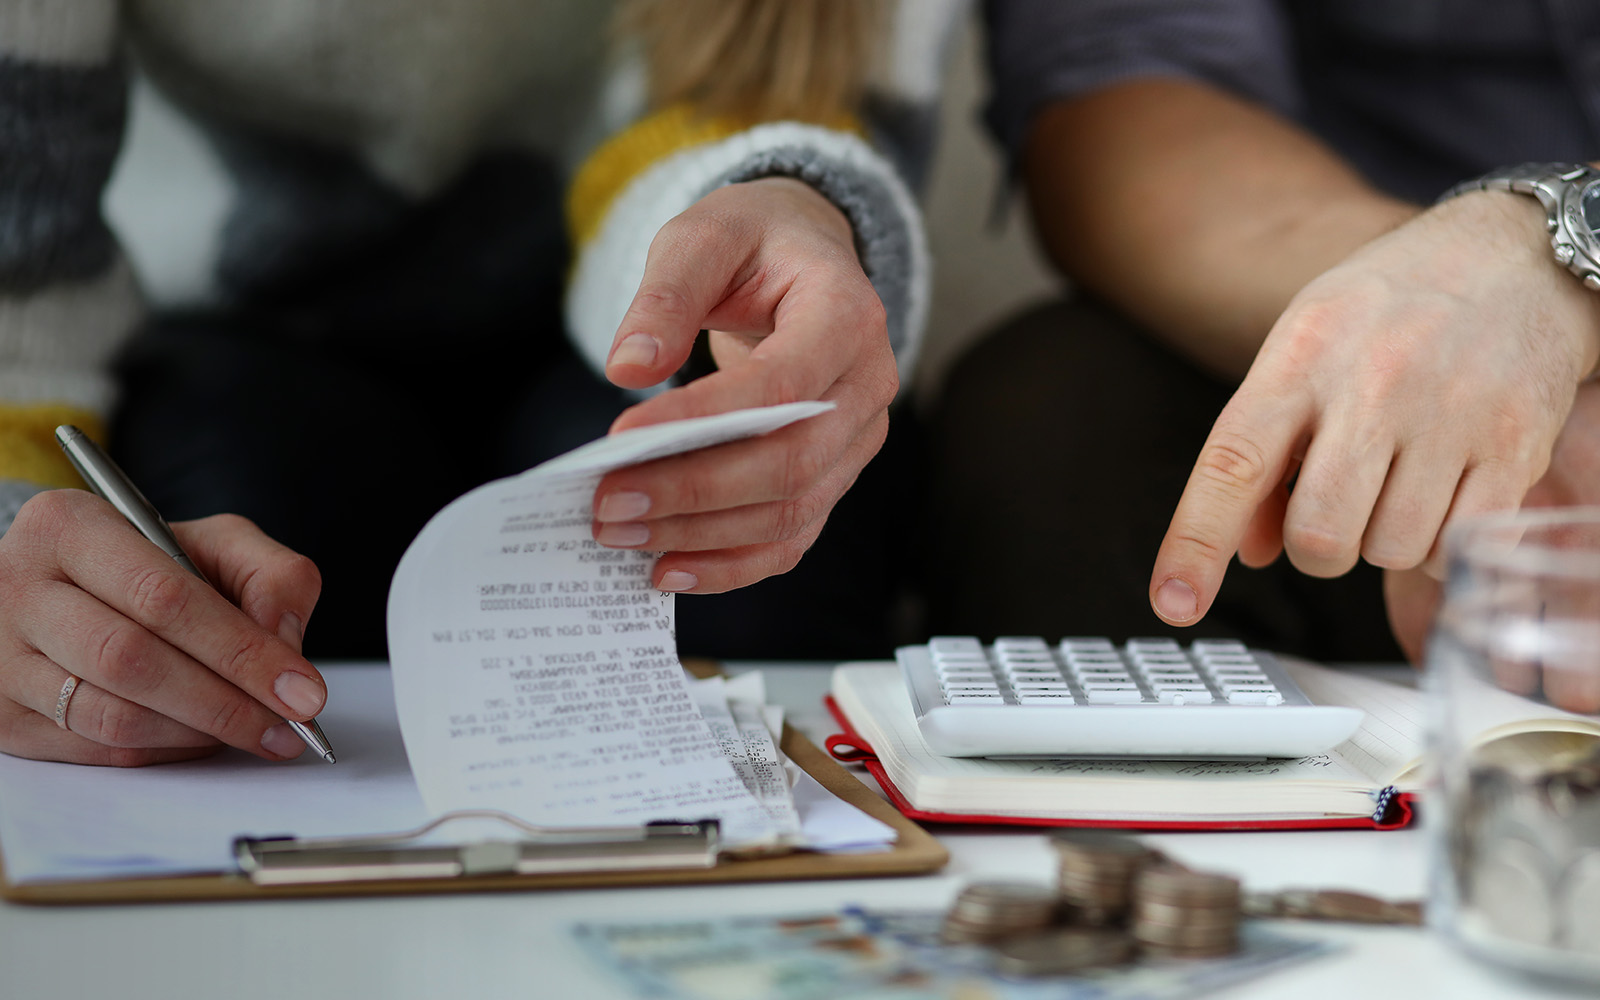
329, 757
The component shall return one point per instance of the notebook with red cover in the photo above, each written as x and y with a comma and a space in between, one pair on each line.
1367, 782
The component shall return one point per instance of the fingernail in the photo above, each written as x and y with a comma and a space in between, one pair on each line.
291, 630
677, 579
282, 741
299, 692
636, 349
1176, 601
623, 535
623, 505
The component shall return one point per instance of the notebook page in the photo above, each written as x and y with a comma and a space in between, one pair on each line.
1494, 713
536, 672
1392, 737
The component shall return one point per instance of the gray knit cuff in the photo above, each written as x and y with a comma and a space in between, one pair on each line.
888, 234
13, 494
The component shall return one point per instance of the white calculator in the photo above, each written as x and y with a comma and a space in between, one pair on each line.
1087, 697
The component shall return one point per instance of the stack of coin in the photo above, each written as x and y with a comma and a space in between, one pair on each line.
1097, 872
988, 911
1178, 913
1063, 950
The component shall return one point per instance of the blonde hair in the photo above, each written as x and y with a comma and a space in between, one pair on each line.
806, 60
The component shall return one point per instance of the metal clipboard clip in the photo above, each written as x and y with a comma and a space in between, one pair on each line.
532, 850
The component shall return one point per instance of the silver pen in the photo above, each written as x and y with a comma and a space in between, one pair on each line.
110, 482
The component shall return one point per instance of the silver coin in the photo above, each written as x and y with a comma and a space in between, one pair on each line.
1190, 888
1171, 936
1156, 912
1510, 890
1000, 894
1580, 904
1061, 951
1208, 951
1099, 843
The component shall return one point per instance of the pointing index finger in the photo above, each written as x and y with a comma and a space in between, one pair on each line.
1245, 458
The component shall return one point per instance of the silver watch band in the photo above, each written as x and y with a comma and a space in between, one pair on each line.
1538, 179
1558, 186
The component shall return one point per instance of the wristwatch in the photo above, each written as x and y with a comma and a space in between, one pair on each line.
1570, 194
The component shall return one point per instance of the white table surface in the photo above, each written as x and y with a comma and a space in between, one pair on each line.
517, 945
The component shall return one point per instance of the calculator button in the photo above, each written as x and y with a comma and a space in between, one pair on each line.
1243, 682
1153, 658
1086, 642
1020, 643
975, 676
1153, 646
1024, 663
1103, 673
1249, 680
1176, 697
975, 699
1113, 696
1218, 646
1254, 696
955, 644
1043, 698
1092, 654
1229, 663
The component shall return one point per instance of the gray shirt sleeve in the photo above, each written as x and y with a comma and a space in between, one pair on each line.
1046, 50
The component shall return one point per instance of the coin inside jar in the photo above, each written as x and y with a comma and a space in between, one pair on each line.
1056, 952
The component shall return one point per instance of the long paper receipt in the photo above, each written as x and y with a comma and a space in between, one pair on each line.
536, 671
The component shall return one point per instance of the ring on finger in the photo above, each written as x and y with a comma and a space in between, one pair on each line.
64, 700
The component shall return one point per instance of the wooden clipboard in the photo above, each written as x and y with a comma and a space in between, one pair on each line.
915, 852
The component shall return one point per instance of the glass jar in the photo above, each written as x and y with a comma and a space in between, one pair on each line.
1513, 665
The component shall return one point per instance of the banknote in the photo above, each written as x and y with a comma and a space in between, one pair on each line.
867, 954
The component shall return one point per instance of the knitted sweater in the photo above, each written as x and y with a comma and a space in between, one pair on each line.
334, 116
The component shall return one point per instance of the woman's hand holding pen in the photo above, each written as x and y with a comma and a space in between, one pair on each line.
170, 668
770, 268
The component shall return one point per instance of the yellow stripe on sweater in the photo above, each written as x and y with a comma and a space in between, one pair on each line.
630, 152
28, 449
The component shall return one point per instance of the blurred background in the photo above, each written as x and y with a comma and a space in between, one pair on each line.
168, 192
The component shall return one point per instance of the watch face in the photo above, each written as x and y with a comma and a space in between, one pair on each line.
1591, 206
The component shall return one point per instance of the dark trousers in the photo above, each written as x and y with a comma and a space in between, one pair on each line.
1057, 452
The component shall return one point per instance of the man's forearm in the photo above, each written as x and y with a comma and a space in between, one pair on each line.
1197, 212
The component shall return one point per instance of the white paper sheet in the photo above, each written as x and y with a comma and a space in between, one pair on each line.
536, 671
755, 759
64, 821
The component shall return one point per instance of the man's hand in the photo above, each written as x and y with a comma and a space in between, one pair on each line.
1422, 380
170, 669
769, 268
1412, 596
